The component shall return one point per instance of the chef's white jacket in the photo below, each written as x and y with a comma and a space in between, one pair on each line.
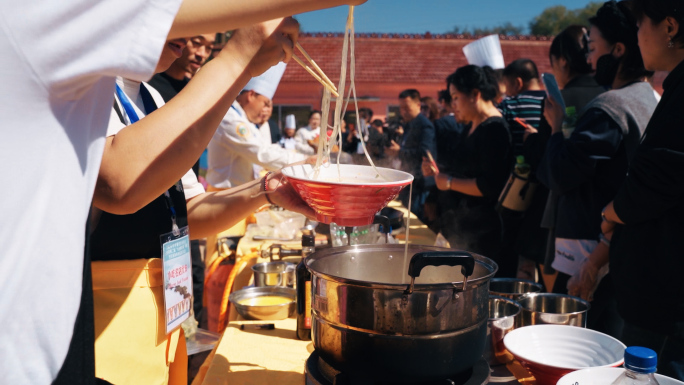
303, 136
237, 146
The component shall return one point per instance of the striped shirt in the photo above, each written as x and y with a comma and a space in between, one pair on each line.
527, 106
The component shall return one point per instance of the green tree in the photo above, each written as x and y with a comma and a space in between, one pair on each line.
555, 19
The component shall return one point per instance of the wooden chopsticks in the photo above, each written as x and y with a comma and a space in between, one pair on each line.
323, 79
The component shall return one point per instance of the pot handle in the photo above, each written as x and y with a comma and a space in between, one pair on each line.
384, 221
440, 258
277, 249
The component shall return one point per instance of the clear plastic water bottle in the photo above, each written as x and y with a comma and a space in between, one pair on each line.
640, 367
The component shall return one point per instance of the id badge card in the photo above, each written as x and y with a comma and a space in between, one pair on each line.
177, 277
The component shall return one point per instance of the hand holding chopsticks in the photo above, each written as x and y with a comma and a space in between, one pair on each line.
429, 166
323, 79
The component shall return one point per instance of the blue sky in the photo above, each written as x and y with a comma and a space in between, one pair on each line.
435, 16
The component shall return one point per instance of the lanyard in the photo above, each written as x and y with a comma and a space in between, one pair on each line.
148, 102
172, 209
150, 106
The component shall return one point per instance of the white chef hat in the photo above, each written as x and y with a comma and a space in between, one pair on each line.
485, 52
290, 122
267, 83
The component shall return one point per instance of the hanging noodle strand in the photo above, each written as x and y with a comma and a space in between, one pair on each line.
326, 144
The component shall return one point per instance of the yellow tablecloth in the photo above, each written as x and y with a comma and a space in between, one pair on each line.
259, 357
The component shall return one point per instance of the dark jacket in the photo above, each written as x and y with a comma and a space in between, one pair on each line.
577, 93
647, 253
448, 134
587, 169
580, 91
419, 137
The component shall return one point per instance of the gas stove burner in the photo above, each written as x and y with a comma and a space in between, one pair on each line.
319, 372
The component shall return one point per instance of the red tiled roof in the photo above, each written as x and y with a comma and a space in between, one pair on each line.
407, 58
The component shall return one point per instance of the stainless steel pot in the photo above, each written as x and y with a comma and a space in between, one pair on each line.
502, 316
556, 309
513, 288
371, 317
278, 273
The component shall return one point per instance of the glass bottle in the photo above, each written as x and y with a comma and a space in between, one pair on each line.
640, 366
303, 277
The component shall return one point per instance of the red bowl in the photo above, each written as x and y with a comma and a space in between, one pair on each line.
549, 352
352, 200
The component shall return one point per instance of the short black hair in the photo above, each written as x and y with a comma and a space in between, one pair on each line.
367, 111
376, 122
471, 77
444, 95
572, 44
658, 10
315, 112
617, 24
524, 69
410, 93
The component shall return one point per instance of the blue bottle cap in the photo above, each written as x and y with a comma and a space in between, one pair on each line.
641, 360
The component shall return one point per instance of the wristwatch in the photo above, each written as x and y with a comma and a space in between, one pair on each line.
448, 183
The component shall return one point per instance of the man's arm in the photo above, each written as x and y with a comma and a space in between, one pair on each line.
147, 157
208, 16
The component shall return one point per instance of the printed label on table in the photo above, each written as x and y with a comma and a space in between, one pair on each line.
177, 278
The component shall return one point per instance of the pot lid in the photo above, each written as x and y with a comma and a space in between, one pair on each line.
385, 266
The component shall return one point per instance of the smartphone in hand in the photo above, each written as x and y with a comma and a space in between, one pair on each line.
552, 89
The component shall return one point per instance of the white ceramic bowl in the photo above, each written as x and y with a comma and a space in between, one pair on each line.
551, 351
604, 376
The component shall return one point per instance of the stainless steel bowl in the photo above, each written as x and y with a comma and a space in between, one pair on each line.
269, 312
277, 273
502, 317
512, 288
556, 309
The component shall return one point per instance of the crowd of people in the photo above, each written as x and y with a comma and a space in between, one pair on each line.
602, 161
602, 180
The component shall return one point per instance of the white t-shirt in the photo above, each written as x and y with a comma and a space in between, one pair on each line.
191, 186
57, 69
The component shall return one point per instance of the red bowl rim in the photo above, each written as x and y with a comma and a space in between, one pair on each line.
564, 368
403, 182
529, 361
